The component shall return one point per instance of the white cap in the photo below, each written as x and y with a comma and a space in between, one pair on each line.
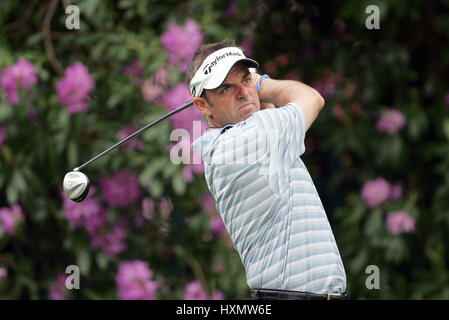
215, 68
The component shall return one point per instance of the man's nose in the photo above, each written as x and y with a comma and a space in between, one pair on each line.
242, 91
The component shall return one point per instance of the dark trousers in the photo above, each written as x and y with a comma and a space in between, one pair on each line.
270, 294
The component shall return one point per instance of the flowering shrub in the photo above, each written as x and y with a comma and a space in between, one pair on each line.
22, 74
74, 87
134, 281
181, 42
149, 229
10, 218
400, 221
390, 122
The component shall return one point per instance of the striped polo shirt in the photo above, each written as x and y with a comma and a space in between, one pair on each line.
269, 203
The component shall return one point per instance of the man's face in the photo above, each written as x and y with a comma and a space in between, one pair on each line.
235, 100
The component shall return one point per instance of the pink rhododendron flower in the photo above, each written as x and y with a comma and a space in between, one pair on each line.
327, 85
218, 295
232, 8
173, 99
395, 192
134, 143
247, 47
399, 222
3, 273
194, 291
110, 239
57, 290
152, 92
134, 70
446, 98
74, 88
390, 121
88, 213
217, 226
187, 173
190, 170
154, 87
148, 208
10, 218
208, 202
181, 42
22, 74
121, 190
134, 281
193, 163
165, 206
375, 192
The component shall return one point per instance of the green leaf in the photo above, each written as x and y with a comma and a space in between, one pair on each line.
151, 170
446, 128
174, 76
5, 112
7, 153
156, 188
179, 184
359, 262
72, 154
18, 181
34, 39
83, 261
126, 4
374, 223
169, 169
92, 295
158, 60
395, 250
11, 194
89, 8
102, 260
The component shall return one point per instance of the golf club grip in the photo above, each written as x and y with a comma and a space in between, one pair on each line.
184, 106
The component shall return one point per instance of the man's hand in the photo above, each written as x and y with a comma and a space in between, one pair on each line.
281, 92
263, 105
255, 77
266, 105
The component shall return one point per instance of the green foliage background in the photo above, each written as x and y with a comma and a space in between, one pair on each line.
403, 65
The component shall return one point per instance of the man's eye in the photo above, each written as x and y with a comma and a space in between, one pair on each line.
225, 90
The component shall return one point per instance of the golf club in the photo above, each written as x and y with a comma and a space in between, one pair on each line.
76, 184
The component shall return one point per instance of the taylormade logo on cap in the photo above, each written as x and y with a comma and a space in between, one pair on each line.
215, 68
208, 67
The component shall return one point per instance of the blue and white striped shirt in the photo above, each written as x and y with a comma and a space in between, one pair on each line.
269, 203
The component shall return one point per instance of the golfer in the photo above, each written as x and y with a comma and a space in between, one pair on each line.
263, 190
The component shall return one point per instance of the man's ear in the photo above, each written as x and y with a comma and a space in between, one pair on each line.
202, 105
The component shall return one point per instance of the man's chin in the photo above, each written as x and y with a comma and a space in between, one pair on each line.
246, 115
248, 111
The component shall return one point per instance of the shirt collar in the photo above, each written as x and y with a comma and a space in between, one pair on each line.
204, 144
229, 126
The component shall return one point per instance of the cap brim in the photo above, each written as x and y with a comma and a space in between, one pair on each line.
220, 75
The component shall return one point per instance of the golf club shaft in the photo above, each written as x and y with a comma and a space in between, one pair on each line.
184, 106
